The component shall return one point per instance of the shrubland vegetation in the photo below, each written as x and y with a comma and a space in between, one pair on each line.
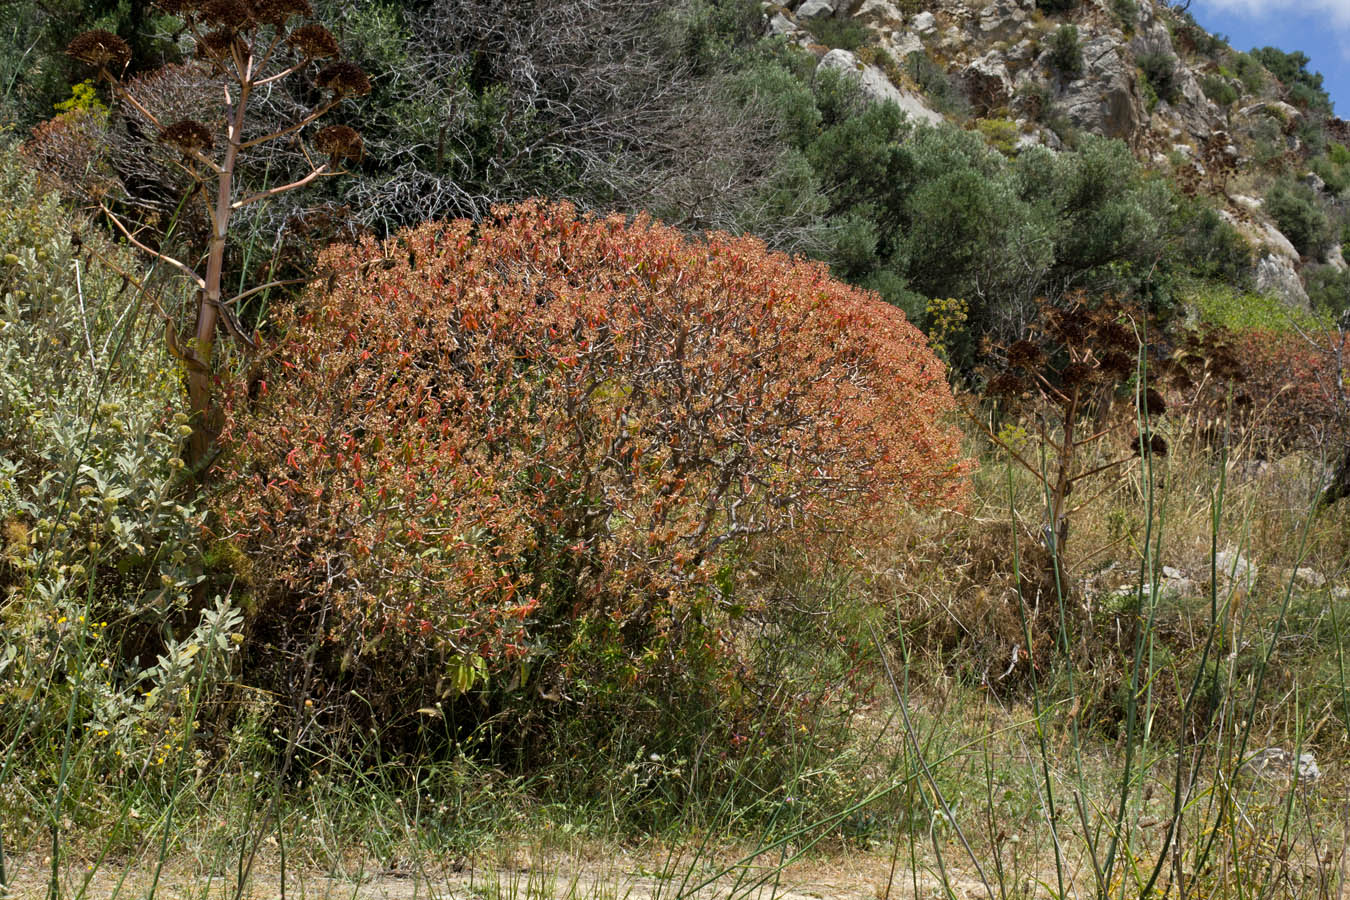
603, 515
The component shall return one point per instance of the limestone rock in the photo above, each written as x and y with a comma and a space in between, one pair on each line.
879, 14
1153, 38
1232, 564
1336, 259
900, 45
1276, 275
817, 9
877, 87
1001, 18
924, 23
1104, 100
1276, 109
781, 26
1275, 241
1038, 137
1276, 762
1310, 577
1197, 113
1021, 52
986, 82
1174, 585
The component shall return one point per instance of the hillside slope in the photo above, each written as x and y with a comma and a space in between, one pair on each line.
1218, 121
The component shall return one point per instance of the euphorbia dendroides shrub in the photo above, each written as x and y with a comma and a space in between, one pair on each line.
489, 443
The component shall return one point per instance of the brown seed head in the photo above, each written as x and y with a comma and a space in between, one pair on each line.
313, 42
340, 142
1006, 385
1154, 403
1116, 336
278, 12
1070, 325
1076, 374
1155, 444
227, 14
1118, 364
188, 136
344, 79
220, 43
101, 48
1025, 354
1180, 381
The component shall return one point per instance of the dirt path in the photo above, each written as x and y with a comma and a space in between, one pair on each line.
592, 875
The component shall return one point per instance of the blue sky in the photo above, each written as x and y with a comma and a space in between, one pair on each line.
1320, 28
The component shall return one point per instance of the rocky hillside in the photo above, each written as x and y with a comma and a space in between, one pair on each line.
1025, 73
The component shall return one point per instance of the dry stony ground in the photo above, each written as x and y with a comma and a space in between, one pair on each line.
596, 873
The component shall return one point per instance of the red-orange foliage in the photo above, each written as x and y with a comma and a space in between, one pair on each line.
477, 437
1280, 390
1297, 400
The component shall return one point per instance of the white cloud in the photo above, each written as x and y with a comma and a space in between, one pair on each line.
1337, 10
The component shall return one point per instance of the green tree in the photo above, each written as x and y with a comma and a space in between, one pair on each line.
1305, 86
1299, 215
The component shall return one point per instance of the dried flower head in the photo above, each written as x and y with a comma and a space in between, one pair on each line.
1116, 336
177, 7
1025, 354
344, 79
313, 42
278, 12
188, 136
1156, 444
1154, 403
1070, 325
1076, 374
1225, 366
101, 48
1006, 384
1181, 381
226, 14
1118, 364
340, 142
220, 43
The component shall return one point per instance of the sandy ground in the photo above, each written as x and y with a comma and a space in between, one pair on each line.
615, 874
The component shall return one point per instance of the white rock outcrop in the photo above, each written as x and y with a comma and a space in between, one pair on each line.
986, 82
880, 14
1275, 274
816, 9
1104, 99
877, 87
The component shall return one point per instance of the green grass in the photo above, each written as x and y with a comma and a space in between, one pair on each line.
1226, 307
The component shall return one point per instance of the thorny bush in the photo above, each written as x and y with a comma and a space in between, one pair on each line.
536, 450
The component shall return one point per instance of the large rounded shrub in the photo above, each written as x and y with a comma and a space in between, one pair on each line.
542, 444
